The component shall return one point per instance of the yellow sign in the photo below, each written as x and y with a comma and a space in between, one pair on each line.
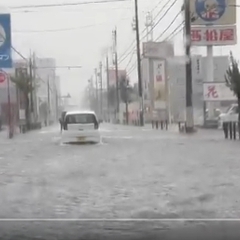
213, 12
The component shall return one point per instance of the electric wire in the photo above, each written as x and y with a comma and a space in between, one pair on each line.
156, 24
68, 4
61, 29
177, 30
171, 23
131, 45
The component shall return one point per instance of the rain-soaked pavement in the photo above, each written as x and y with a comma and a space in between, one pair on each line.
134, 173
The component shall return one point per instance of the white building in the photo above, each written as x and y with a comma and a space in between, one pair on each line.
177, 84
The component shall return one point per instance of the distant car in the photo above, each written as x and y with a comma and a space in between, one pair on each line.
230, 115
80, 127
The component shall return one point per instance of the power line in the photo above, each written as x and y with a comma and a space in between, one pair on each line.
130, 59
66, 10
177, 30
61, 29
171, 23
160, 19
129, 53
58, 67
130, 47
132, 68
155, 7
67, 4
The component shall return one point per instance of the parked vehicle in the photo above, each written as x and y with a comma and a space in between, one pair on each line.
230, 115
80, 126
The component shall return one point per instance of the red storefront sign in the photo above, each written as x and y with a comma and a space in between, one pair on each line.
216, 35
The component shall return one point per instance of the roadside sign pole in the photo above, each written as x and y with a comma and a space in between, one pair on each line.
189, 104
210, 77
108, 105
10, 127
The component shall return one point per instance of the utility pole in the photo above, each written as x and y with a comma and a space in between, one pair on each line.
89, 89
116, 70
189, 107
10, 120
57, 106
108, 108
127, 99
96, 76
48, 94
31, 82
139, 65
101, 90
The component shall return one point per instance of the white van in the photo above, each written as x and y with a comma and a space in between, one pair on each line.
80, 126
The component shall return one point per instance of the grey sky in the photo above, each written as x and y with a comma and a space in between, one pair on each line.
85, 44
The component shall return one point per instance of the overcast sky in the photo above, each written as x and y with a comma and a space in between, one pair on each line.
84, 33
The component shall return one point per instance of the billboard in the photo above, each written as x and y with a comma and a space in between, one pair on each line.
214, 35
217, 92
5, 41
213, 12
112, 76
158, 49
160, 95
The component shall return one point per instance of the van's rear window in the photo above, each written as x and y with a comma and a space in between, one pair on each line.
81, 118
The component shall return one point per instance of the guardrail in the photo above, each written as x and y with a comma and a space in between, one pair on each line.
231, 130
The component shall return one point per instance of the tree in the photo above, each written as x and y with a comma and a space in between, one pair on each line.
123, 87
24, 84
126, 90
232, 79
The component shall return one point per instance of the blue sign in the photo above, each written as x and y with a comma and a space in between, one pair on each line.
210, 10
5, 41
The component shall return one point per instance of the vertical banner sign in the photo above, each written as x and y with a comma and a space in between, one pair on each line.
5, 41
159, 84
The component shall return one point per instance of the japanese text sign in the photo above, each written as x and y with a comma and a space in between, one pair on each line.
217, 92
213, 12
5, 41
216, 36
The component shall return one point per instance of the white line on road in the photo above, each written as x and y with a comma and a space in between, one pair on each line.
120, 220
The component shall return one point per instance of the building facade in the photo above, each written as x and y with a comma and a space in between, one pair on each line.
177, 84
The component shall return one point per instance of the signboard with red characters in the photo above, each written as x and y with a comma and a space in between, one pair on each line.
214, 35
217, 92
